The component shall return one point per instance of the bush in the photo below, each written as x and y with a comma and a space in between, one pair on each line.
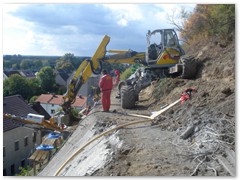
126, 74
210, 20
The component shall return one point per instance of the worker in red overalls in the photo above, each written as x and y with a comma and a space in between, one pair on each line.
106, 85
117, 79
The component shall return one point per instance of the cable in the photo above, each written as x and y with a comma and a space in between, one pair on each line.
95, 138
149, 118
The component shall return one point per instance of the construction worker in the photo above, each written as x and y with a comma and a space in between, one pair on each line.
117, 79
106, 85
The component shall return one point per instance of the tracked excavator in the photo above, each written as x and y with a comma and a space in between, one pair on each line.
164, 57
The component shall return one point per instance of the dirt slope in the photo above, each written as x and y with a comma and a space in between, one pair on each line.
156, 148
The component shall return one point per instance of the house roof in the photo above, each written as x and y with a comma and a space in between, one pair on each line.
37, 107
58, 100
15, 105
9, 73
28, 74
64, 76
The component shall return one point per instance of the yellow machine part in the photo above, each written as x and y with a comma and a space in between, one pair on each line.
84, 71
50, 125
130, 60
166, 57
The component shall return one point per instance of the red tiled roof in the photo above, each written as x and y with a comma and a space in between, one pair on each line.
58, 100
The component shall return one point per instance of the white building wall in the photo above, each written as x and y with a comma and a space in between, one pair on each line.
16, 157
50, 108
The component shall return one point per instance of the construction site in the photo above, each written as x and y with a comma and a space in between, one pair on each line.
194, 138
174, 116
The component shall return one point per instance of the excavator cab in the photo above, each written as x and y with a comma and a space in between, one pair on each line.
163, 49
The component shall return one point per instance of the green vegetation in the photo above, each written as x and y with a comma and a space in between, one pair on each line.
24, 171
47, 79
126, 74
16, 84
30, 88
210, 20
129, 71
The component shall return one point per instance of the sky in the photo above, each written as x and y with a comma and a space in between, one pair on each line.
60, 28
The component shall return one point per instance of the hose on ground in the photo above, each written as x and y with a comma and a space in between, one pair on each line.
95, 138
150, 118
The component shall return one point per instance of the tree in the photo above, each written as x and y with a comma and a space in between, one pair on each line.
7, 64
25, 64
38, 64
16, 84
210, 20
35, 85
178, 19
47, 79
66, 62
15, 66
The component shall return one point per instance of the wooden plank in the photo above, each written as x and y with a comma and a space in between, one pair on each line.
156, 114
165, 109
39, 155
44, 156
34, 155
49, 141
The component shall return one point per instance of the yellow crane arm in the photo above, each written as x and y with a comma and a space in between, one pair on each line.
82, 74
87, 67
32, 124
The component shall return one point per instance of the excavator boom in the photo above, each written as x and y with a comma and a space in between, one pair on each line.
162, 57
46, 125
82, 74
87, 67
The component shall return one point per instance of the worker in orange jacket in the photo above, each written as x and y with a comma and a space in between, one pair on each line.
117, 79
106, 85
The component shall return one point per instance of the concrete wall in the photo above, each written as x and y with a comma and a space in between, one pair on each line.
16, 157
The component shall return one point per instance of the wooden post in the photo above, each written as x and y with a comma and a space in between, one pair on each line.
34, 168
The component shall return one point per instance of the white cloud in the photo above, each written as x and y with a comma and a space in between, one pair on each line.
125, 13
56, 29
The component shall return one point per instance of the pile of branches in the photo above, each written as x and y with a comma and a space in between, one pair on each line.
206, 138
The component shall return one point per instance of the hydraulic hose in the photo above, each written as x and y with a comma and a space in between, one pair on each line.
96, 71
148, 118
95, 138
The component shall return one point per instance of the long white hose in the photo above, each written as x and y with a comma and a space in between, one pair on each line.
149, 118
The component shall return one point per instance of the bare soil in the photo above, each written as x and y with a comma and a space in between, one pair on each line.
156, 148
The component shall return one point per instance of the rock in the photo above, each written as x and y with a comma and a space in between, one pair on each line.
125, 150
187, 132
227, 91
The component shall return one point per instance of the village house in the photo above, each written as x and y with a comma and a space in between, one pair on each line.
62, 78
52, 103
7, 74
25, 73
18, 142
